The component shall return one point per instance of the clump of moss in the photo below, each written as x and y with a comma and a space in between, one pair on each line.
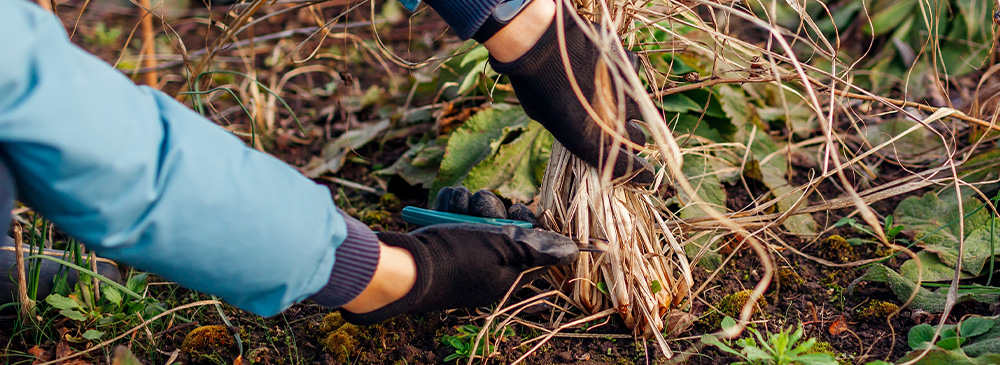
390, 201
789, 278
836, 248
375, 217
731, 305
331, 322
877, 311
206, 340
341, 343
339, 338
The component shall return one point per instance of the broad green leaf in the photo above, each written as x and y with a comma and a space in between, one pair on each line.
727, 323
60, 302
920, 335
816, 359
476, 140
702, 172
72, 314
678, 103
919, 145
472, 78
931, 301
933, 269
517, 168
419, 165
975, 326
934, 223
756, 354
889, 18
335, 153
476, 54
983, 347
712, 128
775, 169
92, 334
950, 343
112, 295
137, 283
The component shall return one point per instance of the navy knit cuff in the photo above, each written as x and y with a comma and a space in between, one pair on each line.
356, 260
464, 16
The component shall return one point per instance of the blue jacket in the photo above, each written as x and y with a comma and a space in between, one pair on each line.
142, 179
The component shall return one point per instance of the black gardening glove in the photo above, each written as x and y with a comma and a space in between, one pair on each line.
469, 265
544, 90
481, 204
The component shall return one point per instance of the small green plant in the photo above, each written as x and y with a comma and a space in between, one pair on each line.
114, 307
465, 340
778, 348
973, 341
104, 36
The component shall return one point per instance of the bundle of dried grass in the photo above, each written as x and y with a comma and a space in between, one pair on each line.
643, 272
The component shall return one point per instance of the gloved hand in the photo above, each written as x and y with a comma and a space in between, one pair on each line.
481, 204
544, 90
469, 265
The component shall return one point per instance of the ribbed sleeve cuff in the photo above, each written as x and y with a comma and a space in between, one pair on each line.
464, 16
356, 260
7, 194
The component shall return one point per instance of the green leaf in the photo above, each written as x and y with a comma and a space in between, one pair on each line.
889, 18
93, 334
678, 103
702, 172
603, 287
137, 283
476, 140
950, 343
72, 314
774, 171
920, 335
975, 326
476, 54
934, 223
925, 299
517, 169
933, 269
655, 287
727, 323
419, 165
816, 359
335, 153
919, 145
714, 341
60, 302
112, 295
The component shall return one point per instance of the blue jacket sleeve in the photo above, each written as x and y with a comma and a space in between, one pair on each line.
142, 179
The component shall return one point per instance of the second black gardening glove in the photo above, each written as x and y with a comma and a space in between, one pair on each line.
544, 90
468, 265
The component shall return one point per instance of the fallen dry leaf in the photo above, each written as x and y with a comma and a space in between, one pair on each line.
839, 325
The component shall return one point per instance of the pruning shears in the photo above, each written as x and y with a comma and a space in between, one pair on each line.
426, 217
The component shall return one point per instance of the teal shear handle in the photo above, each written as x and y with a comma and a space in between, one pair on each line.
426, 217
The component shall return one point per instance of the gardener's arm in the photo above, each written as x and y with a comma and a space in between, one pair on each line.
141, 178
527, 50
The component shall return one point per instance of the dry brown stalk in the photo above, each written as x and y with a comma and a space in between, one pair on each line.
27, 305
148, 44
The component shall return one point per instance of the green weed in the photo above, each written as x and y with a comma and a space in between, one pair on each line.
777, 348
464, 342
